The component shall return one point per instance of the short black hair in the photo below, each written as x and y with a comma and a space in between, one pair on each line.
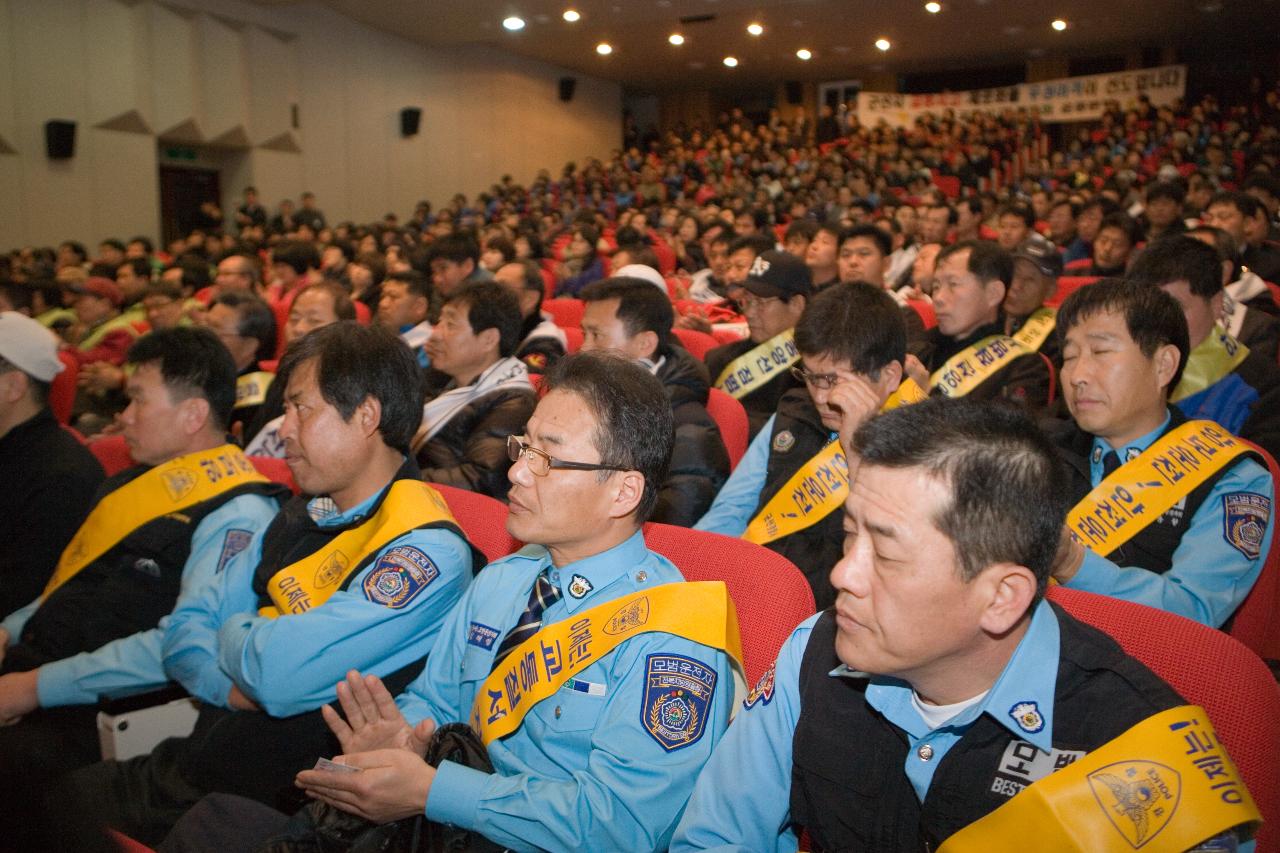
113, 243
806, 228
1177, 258
343, 307
504, 246
634, 421
987, 260
145, 242
414, 282
1125, 224
1243, 202
354, 362
1007, 485
1101, 202
531, 276
854, 322
1020, 210
1075, 208
19, 296
1172, 190
457, 247
758, 243
1152, 316
870, 232
254, 319
298, 255
641, 306
1222, 241
141, 267
491, 306
193, 362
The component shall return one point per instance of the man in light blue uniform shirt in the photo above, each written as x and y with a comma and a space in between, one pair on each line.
262, 664
941, 684
1124, 345
588, 768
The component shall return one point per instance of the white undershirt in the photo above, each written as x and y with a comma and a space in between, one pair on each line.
936, 715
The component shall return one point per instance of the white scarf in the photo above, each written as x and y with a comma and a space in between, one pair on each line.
547, 329
1237, 293
505, 373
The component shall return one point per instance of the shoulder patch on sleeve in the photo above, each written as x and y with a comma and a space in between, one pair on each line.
762, 693
233, 543
1244, 521
677, 699
400, 576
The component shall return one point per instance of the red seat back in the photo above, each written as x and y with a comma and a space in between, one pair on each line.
1067, 285
482, 518
768, 591
697, 343
565, 313
112, 453
1256, 622
275, 470
572, 338
926, 312
731, 418
62, 391
1209, 669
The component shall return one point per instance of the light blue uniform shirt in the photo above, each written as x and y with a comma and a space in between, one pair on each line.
742, 800
292, 664
132, 664
1211, 572
584, 771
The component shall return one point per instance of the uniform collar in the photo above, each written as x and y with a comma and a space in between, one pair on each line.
582, 581
1101, 447
324, 512
1021, 699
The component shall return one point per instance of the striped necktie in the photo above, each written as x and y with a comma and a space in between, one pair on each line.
543, 595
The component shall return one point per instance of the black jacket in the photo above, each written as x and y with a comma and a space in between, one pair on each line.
699, 463
848, 786
470, 451
763, 401
49, 484
541, 352
1024, 380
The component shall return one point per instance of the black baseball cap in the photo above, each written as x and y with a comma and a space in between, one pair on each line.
781, 274
1042, 254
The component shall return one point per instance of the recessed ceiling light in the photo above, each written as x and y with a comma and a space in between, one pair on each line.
933, 8
754, 28
572, 16
883, 44
804, 53
1059, 24
731, 61
604, 48
676, 39
513, 23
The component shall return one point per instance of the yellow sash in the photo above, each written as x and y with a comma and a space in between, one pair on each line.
759, 365
308, 583
700, 611
1165, 780
975, 364
819, 488
114, 324
167, 488
251, 389
1214, 357
1037, 328
1142, 489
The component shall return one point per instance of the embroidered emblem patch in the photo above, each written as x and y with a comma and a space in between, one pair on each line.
1027, 716
536, 360
233, 543
629, 616
762, 693
481, 636
677, 700
400, 576
332, 569
178, 483
579, 586
784, 441
1138, 797
1244, 521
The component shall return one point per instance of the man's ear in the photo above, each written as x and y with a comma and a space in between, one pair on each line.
645, 344
1008, 590
995, 291
490, 338
193, 414
368, 416
1166, 360
628, 489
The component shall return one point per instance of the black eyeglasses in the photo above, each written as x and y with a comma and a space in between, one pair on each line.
821, 381
540, 462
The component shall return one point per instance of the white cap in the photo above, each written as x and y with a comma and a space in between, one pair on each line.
29, 346
645, 272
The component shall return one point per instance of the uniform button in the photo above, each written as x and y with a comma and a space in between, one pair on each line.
925, 752
641, 577
557, 712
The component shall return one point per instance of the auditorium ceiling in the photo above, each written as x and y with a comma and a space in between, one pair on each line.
840, 34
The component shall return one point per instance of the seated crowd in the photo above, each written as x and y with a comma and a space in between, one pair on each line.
947, 402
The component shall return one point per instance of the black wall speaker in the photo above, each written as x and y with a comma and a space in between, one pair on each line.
410, 118
567, 85
795, 92
60, 139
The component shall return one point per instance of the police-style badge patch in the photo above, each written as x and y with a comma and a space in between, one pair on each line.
579, 586
233, 543
677, 700
178, 483
1138, 797
481, 636
1027, 716
762, 693
399, 577
1244, 521
784, 441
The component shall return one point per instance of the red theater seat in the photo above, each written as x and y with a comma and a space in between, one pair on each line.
731, 418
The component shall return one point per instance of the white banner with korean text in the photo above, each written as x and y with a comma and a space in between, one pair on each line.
1067, 99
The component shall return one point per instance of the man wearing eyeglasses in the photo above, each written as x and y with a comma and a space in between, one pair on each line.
852, 341
755, 371
596, 679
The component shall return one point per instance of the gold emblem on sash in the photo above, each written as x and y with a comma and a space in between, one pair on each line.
178, 483
629, 617
332, 570
1138, 797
